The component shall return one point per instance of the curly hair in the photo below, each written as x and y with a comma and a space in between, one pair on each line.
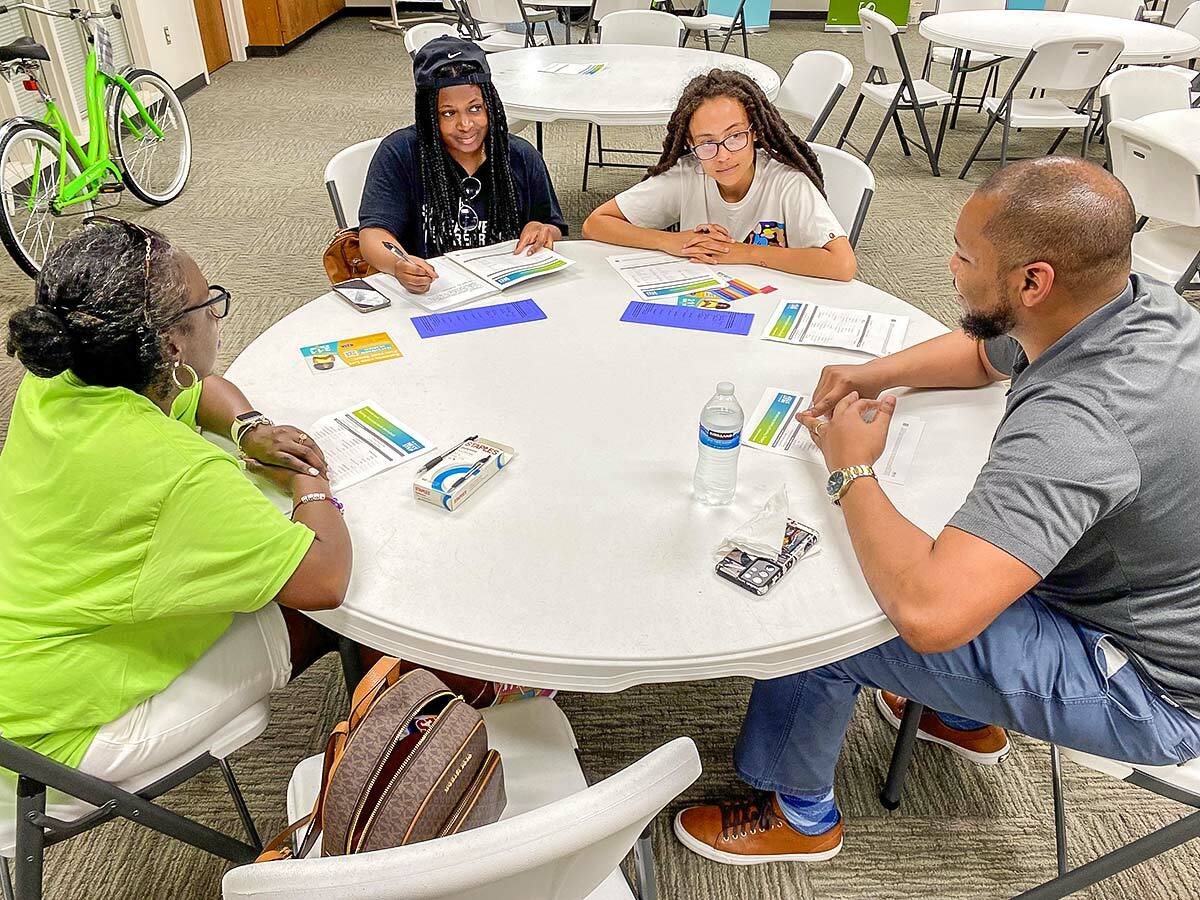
443, 191
96, 313
771, 132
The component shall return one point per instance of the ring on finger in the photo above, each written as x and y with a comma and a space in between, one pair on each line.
302, 439
817, 429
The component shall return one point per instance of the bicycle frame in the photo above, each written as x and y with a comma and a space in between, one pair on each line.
95, 163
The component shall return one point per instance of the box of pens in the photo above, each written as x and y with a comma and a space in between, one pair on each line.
450, 478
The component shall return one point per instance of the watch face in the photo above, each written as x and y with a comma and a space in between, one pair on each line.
834, 485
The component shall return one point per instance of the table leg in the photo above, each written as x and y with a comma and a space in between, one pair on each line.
538, 131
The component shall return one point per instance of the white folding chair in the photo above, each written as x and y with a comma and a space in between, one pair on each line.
1141, 90
479, 16
849, 187
706, 22
1190, 22
1063, 64
640, 26
54, 803
962, 63
345, 176
419, 35
601, 8
1179, 783
813, 85
1115, 9
1164, 181
881, 44
557, 840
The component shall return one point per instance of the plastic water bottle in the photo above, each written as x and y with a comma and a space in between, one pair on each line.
720, 440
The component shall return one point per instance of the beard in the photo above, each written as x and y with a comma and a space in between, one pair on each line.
991, 323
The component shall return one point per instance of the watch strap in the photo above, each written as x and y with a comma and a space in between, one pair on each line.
849, 475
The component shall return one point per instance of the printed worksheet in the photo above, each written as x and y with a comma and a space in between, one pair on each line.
662, 277
499, 267
774, 428
563, 68
798, 322
453, 287
364, 440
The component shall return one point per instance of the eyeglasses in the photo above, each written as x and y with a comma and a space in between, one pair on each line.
145, 236
470, 188
217, 304
735, 142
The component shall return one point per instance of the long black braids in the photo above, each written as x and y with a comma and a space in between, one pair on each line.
442, 187
771, 132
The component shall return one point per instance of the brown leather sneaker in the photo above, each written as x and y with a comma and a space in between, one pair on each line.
750, 832
986, 746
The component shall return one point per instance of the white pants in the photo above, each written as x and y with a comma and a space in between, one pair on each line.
245, 664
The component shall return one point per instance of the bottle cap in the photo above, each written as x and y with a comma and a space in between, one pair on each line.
725, 387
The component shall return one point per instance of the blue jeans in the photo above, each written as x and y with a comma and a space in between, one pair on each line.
1033, 670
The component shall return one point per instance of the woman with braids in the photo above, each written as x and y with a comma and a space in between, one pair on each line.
456, 178
147, 587
739, 184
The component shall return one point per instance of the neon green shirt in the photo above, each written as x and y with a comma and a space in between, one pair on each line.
127, 543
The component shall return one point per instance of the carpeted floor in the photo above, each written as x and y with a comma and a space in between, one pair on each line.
256, 217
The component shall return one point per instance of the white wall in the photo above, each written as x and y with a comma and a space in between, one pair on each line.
183, 58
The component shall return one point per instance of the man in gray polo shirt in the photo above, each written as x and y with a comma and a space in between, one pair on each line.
1063, 598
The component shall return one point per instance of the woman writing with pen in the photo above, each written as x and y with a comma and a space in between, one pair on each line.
455, 179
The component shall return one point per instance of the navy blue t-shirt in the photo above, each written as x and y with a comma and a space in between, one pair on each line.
393, 196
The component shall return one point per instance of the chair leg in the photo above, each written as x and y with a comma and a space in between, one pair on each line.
599, 147
900, 134
643, 864
937, 150
6, 886
850, 121
587, 155
933, 156
928, 64
1060, 809
979, 144
1004, 138
31, 839
887, 120
906, 741
549, 33
239, 801
1185, 282
745, 42
962, 86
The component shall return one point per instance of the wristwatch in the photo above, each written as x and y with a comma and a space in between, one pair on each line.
840, 480
244, 422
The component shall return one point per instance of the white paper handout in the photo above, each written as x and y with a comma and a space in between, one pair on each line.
774, 428
799, 322
453, 287
364, 440
499, 267
663, 277
563, 68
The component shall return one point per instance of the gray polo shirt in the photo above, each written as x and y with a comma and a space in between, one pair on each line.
1093, 480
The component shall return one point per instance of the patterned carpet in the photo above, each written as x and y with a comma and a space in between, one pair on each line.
256, 217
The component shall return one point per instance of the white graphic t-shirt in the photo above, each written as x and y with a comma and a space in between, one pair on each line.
783, 208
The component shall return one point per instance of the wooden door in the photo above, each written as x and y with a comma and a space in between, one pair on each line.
213, 33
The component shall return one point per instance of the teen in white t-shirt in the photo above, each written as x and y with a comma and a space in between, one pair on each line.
741, 186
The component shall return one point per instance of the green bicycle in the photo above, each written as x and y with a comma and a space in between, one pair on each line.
48, 179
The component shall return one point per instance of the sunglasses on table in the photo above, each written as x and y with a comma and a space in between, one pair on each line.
733, 143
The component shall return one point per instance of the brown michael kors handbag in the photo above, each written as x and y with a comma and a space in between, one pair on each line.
410, 763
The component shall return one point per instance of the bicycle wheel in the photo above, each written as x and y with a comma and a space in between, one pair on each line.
30, 166
154, 168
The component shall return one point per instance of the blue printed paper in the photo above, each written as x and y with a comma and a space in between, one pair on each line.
460, 320
691, 317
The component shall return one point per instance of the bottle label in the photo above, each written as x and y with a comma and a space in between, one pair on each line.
720, 440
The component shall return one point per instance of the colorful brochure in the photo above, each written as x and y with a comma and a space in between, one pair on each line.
365, 440
774, 428
350, 352
662, 277
498, 266
573, 68
798, 322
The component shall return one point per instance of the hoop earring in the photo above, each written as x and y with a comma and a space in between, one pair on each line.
175, 375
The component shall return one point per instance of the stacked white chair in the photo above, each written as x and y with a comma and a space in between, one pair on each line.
557, 840
884, 53
813, 85
849, 187
1062, 64
1163, 178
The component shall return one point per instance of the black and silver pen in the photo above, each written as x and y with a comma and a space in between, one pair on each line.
472, 471
437, 459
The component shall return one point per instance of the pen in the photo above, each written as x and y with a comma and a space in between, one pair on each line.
396, 251
437, 459
472, 471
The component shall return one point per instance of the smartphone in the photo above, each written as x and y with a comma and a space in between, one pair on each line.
361, 295
758, 574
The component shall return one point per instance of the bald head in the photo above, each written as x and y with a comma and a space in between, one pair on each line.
1066, 212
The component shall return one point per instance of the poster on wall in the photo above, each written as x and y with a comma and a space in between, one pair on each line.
758, 12
843, 14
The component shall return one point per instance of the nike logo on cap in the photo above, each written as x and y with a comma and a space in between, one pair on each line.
452, 55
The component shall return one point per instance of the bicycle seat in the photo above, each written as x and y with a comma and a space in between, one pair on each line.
23, 48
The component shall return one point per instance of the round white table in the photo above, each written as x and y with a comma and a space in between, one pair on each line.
1013, 32
1176, 126
586, 564
639, 85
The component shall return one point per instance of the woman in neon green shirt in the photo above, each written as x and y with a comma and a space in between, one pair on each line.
146, 586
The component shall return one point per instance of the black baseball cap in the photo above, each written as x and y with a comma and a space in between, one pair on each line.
445, 51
